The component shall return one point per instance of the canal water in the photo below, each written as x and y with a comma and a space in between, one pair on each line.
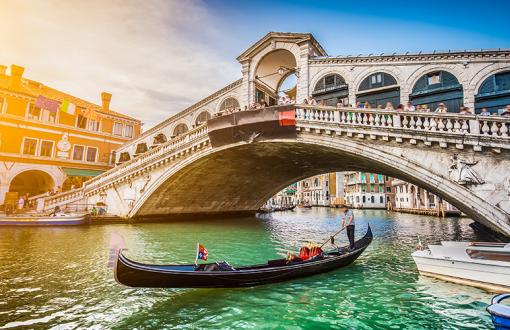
58, 277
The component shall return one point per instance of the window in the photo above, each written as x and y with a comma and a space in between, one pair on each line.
93, 125
33, 112
81, 122
36, 113
29, 146
91, 154
202, 118
78, 152
364, 199
46, 149
388, 189
372, 199
129, 131
117, 129
434, 78
381, 200
229, 103
180, 129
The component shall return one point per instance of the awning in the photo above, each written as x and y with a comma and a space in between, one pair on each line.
81, 172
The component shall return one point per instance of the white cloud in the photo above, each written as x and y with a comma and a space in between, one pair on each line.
156, 57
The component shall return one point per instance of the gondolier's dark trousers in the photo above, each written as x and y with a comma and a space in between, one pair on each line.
350, 236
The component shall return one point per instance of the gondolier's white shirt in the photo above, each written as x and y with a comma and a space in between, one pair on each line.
345, 217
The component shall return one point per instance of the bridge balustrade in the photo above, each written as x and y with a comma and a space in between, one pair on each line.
449, 123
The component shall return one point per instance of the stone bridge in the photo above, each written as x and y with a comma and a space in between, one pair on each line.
464, 159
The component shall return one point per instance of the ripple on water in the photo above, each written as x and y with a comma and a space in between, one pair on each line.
66, 285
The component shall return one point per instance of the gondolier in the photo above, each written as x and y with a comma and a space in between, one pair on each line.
348, 224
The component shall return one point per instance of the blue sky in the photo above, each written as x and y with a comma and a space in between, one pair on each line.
158, 57
354, 27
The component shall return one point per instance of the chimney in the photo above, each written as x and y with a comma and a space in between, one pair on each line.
105, 99
3, 69
16, 74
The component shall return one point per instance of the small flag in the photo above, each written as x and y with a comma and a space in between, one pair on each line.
201, 253
420, 247
68, 107
47, 104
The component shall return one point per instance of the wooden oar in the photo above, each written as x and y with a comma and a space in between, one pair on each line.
329, 239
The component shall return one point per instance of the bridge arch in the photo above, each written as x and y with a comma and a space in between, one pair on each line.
193, 185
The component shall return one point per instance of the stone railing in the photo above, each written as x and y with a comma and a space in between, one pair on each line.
489, 128
147, 157
45, 203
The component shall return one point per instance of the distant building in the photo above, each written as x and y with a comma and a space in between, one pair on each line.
51, 140
314, 190
413, 199
365, 190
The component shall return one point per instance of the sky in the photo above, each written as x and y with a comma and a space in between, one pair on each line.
158, 57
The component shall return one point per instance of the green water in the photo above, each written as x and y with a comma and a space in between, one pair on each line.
57, 277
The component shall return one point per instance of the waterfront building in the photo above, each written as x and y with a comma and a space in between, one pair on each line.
413, 199
336, 189
51, 140
365, 190
314, 190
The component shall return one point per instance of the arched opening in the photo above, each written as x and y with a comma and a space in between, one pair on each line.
32, 182
229, 104
332, 89
438, 87
141, 148
494, 93
159, 139
275, 73
378, 89
180, 129
288, 86
202, 118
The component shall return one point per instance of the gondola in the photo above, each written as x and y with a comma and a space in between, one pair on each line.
223, 275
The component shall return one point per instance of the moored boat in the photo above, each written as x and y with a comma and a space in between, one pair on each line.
500, 312
484, 265
34, 219
223, 275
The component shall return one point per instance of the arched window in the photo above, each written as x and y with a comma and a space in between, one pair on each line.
378, 89
141, 148
494, 93
332, 89
229, 103
180, 129
329, 83
160, 138
438, 87
377, 80
202, 118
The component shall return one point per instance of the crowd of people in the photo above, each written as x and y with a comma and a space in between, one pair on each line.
408, 107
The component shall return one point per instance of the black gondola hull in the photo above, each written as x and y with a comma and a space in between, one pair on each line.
134, 274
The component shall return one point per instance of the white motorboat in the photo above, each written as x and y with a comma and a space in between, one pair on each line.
481, 264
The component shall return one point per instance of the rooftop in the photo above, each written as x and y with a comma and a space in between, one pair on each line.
34, 88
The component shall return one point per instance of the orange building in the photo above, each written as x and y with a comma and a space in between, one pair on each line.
50, 140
